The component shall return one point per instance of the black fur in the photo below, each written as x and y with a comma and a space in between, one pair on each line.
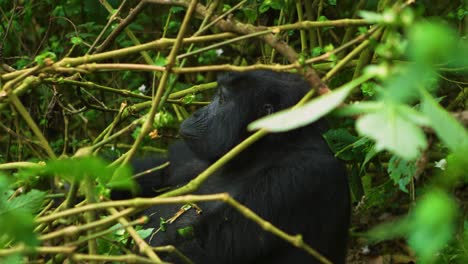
290, 179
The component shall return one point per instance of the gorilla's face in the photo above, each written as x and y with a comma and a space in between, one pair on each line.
241, 98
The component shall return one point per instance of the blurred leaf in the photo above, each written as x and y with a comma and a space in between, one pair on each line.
403, 87
121, 179
431, 43
358, 108
177, 9
455, 171
79, 168
393, 131
13, 259
309, 112
449, 130
432, 225
371, 17
428, 228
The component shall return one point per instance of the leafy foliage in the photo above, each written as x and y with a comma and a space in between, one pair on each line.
397, 107
16, 214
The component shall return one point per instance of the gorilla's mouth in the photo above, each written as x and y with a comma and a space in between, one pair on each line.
186, 134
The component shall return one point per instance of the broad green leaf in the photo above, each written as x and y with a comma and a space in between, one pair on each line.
449, 130
308, 113
79, 168
393, 131
428, 227
456, 168
432, 225
121, 179
16, 215
432, 43
30, 201
403, 87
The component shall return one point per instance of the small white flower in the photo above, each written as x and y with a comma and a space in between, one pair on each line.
142, 88
365, 250
441, 164
219, 52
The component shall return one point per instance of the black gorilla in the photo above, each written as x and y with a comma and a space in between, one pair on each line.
290, 179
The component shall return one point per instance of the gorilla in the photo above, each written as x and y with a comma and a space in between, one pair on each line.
291, 179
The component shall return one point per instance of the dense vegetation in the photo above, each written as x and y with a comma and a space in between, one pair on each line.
113, 79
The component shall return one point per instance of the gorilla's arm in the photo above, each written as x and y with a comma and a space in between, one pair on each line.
184, 166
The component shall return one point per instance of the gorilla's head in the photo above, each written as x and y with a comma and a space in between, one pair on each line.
241, 98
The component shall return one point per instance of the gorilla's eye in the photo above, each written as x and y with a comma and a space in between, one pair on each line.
268, 108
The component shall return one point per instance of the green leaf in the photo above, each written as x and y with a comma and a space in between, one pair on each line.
122, 179
250, 13
76, 40
31, 201
163, 119
432, 224
371, 17
387, 17
177, 9
16, 214
393, 131
358, 108
403, 87
449, 130
162, 224
293, 118
79, 168
188, 99
186, 232
345, 145
401, 171
428, 228
144, 233
431, 43
41, 58
316, 51
160, 61
368, 89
